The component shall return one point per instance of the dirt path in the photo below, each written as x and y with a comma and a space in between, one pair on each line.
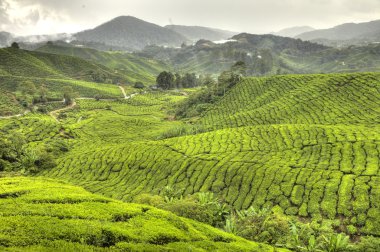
14, 116
55, 113
123, 91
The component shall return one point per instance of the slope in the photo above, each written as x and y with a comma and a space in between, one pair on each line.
349, 33
268, 55
16, 62
309, 144
130, 33
293, 31
39, 214
195, 33
133, 67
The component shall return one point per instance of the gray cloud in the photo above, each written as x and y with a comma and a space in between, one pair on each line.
255, 16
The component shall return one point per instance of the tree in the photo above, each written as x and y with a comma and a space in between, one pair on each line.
68, 95
43, 92
239, 68
139, 84
178, 80
189, 80
15, 45
165, 80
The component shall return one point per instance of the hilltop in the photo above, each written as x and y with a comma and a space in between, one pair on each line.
130, 33
195, 33
293, 31
346, 34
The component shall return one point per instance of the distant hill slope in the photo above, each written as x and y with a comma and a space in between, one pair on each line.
133, 67
293, 31
131, 33
300, 99
19, 62
195, 33
350, 33
268, 55
50, 215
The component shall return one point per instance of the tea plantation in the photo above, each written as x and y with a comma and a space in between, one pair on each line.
308, 145
39, 214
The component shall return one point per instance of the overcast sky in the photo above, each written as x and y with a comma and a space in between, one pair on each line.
25, 17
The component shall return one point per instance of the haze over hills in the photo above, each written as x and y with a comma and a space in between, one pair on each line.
131, 33
268, 54
5, 39
195, 33
293, 31
346, 34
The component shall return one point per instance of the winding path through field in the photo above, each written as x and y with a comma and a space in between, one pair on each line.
14, 116
55, 113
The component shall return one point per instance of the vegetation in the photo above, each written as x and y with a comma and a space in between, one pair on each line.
168, 80
39, 214
288, 160
132, 67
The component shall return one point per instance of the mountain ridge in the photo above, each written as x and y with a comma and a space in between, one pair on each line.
130, 33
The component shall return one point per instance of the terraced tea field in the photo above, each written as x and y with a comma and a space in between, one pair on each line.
39, 214
316, 158
309, 144
300, 99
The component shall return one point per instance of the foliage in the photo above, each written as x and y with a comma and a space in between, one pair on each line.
48, 215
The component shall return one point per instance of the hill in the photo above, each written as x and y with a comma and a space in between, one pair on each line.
293, 31
17, 62
308, 144
346, 34
133, 67
268, 55
130, 33
39, 214
195, 33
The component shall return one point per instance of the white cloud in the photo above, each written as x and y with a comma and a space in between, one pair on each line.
255, 16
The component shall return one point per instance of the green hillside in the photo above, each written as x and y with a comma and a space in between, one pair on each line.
8, 104
316, 155
300, 99
39, 214
306, 145
17, 62
133, 67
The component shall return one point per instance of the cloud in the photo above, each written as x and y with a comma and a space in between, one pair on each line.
255, 16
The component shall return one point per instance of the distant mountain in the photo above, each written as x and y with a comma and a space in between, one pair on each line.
293, 31
350, 33
196, 33
268, 55
131, 33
